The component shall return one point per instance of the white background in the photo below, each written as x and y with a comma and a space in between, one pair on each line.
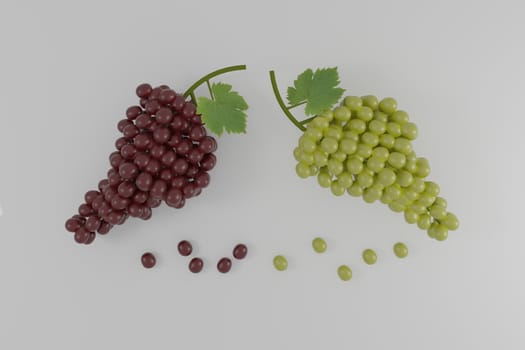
67, 74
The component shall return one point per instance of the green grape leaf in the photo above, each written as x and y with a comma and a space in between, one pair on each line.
225, 111
317, 89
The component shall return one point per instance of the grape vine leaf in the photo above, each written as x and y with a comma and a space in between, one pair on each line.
317, 89
225, 111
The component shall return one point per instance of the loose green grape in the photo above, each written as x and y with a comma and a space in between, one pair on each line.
400, 250
441, 202
438, 212
441, 232
393, 129
409, 130
345, 179
302, 170
396, 206
365, 114
314, 170
313, 133
381, 153
411, 195
353, 102
307, 158
324, 179
418, 185
340, 156
387, 140
351, 135
329, 145
319, 245
344, 273
355, 190
431, 231
320, 123
417, 208
370, 139
386, 199
411, 217
335, 167
337, 188
363, 150
354, 165
411, 166
370, 101
320, 158
369, 256
375, 164
307, 144
424, 221
348, 146
432, 188
394, 191
377, 127
297, 154
403, 145
365, 180
397, 160
386, 177
423, 167
357, 125
342, 114
400, 117
380, 116
328, 114
280, 263
388, 105
404, 178
451, 222
426, 199
372, 194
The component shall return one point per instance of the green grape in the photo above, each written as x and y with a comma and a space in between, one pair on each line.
411, 157
364, 150
418, 208
297, 154
329, 145
313, 133
319, 245
386, 177
423, 167
280, 263
418, 185
365, 114
393, 129
411, 195
394, 191
328, 114
345, 179
441, 202
370, 139
381, 153
386, 199
387, 140
451, 222
369, 256
307, 145
397, 160
340, 156
400, 117
375, 164
334, 131
320, 123
353, 102
431, 231
351, 135
314, 169
411, 217
337, 188
348, 146
424, 221
355, 190
372, 194
426, 199
365, 180
344, 272
441, 232
438, 212
404, 201
409, 130
357, 125
342, 114
324, 179
396, 206
388, 105
400, 250
403, 145
380, 116
354, 165
307, 158
302, 170
404, 178
377, 127
320, 158
335, 167
370, 101
432, 188
410, 166
368, 171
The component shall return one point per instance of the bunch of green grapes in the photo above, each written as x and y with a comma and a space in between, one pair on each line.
364, 147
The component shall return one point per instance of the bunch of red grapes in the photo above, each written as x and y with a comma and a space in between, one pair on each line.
163, 155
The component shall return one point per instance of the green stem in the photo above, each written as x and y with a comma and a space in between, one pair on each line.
296, 105
306, 121
209, 89
281, 102
213, 74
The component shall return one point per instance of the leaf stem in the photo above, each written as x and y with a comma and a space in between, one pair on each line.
207, 77
307, 120
296, 105
281, 102
209, 89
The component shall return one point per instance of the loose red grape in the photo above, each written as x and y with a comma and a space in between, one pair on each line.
196, 265
240, 251
185, 248
148, 260
224, 265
